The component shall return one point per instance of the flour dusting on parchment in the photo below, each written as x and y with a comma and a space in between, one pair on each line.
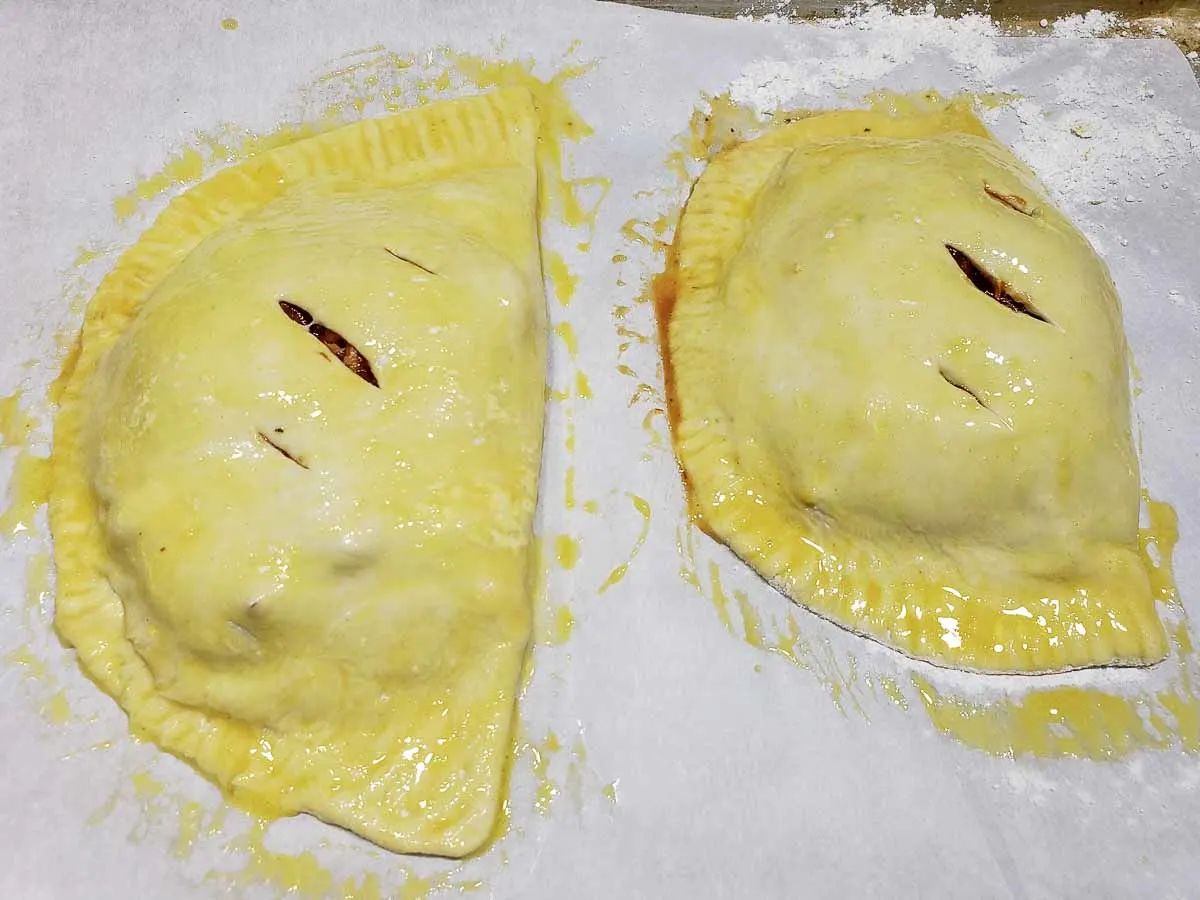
1083, 145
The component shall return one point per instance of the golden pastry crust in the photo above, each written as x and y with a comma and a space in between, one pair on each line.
898, 390
295, 471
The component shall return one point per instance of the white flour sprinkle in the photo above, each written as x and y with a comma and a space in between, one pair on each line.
1091, 24
866, 46
1100, 128
1084, 145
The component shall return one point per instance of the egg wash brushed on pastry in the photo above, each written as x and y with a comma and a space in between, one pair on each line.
37, 654
301, 873
29, 484
43, 684
565, 197
1171, 711
375, 79
331, 372
574, 202
195, 828
340, 348
1054, 722
28, 488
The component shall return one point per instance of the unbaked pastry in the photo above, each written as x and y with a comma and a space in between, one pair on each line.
295, 471
898, 389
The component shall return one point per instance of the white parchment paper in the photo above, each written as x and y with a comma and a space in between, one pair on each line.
693, 764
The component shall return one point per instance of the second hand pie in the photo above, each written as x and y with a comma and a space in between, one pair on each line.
898, 389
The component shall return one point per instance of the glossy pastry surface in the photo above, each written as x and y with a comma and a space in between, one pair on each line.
899, 390
296, 469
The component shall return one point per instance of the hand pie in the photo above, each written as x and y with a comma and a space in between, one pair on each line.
898, 389
295, 471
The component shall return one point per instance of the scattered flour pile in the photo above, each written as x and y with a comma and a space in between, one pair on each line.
1082, 144
1093, 23
863, 47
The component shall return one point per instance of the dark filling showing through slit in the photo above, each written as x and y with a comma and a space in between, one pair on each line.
346, 352
995, 288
